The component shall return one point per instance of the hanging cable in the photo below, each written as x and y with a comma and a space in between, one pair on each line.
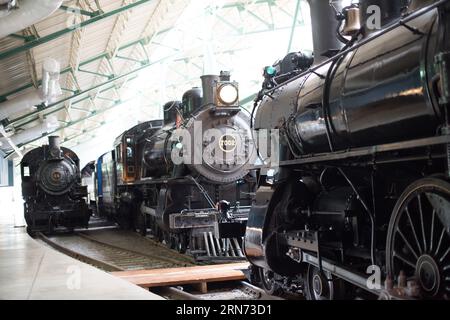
369, 212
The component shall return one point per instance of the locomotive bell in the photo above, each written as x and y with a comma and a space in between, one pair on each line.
352, 22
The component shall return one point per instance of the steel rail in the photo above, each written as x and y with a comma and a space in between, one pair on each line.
79, 256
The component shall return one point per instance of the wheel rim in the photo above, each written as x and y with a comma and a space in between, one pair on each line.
267, 280
418, 238
319, 287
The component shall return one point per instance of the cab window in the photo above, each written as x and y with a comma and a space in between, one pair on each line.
130, 151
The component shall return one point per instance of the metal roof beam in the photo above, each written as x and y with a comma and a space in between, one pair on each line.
80, 11
98, 86
62, 107
72, 123
36, 42
83, 63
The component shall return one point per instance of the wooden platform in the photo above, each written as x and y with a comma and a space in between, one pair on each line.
187, 275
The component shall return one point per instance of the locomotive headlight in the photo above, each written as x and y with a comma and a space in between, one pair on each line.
228, 94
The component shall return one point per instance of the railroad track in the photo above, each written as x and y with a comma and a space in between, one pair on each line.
110, 257
96, 251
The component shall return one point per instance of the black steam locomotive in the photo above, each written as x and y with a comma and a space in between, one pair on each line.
186, 178
52, 190
362, 188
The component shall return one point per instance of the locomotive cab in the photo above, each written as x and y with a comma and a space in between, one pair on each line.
126, 160
128, 153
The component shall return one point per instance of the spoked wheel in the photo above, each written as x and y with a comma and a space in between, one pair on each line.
418, 241
268, 282
322, 285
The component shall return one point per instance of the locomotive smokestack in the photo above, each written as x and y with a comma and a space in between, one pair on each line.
324, 26
208, 84
54, 142
54, 146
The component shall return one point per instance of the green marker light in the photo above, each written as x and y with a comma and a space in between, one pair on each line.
271, 71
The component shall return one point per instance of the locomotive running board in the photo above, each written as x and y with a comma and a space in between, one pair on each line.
308, 242
369, 151
354, 278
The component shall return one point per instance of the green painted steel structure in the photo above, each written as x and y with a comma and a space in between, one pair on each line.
96, 18
111, 80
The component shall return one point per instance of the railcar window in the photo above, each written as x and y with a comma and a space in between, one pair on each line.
118, 154
26, 171
129, 152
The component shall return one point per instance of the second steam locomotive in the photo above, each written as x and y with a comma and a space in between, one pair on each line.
186, 178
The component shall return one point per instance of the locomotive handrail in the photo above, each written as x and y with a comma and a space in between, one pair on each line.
362, 42
202, 191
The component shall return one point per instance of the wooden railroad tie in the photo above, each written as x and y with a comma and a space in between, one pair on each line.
198, 275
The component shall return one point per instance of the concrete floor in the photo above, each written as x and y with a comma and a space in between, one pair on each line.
30, 270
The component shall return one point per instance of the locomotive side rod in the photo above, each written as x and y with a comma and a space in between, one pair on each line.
356, 279
339, 271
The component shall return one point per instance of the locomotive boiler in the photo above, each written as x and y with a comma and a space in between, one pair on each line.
364, 160
187, 179
52, 190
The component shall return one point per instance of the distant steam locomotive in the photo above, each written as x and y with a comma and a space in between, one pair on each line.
363, 182
186, 178
52, 190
